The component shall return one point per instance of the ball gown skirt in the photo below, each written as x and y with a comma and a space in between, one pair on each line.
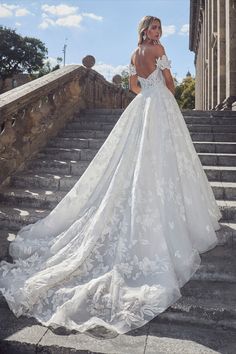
119, 246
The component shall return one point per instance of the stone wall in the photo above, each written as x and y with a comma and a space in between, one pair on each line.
14, 81
213, 40
35, 112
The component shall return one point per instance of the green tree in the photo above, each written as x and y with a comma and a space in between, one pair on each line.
125, 79
47, 68
19, 54
185, 93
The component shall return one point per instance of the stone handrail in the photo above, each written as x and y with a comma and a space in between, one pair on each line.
33, 113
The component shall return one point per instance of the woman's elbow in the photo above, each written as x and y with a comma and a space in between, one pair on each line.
170, 85
134, 88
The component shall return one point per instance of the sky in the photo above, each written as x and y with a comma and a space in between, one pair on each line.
106, 29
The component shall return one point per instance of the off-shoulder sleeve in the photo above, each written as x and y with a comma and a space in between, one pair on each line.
163, 62
132, 69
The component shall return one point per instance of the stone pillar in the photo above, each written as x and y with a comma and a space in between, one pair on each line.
202, 59
197, 88
209, 30
230, 10
213, 35
221, 51
200, 66
200, 73
206, 56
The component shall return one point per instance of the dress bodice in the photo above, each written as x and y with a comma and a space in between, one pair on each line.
156, 76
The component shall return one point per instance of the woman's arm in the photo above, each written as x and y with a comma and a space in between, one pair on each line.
133, 84
169, 80
159, 51
133, 77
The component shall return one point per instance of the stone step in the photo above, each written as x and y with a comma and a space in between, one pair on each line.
102, 111
105, 118
12, 218
218, 159
195, 128
84, 133
215, 147
205, 128
90, 133
218, 137
219, 263
227, 234
228, 209
88, 154
191, 113
51, 181
77, 143
26, 335
210, 113
213, 120
189, 338
215, 290
48, 199
64, 182
101, 118
220, 173
209, 312
185, 113
83, 143
58, 167
60, 153
94, 125
33, 198
224, 190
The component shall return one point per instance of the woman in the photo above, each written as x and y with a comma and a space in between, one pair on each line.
119, 246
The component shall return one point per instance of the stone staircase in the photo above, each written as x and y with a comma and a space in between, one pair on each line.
204, 319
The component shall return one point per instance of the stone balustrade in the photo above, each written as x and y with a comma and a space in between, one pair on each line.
33, 113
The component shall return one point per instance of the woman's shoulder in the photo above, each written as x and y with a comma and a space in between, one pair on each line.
133, 54
159, 50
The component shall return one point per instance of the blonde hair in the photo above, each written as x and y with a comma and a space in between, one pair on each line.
144, 24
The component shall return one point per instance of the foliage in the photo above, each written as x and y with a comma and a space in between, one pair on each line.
185, 93
47, 68
19, 54
125, 79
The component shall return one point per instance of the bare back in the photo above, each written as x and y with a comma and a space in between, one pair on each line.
144, 59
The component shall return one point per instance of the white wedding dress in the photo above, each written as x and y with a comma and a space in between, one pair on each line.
119, 246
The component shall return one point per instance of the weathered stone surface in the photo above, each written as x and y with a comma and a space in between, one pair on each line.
129, 343
88, 61
19, 335
34, 113
188, 339
212, 39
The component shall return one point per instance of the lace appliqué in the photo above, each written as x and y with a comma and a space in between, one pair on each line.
163, 62
132, 69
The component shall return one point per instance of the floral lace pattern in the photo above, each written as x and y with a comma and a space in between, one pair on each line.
119, 246
156, 77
